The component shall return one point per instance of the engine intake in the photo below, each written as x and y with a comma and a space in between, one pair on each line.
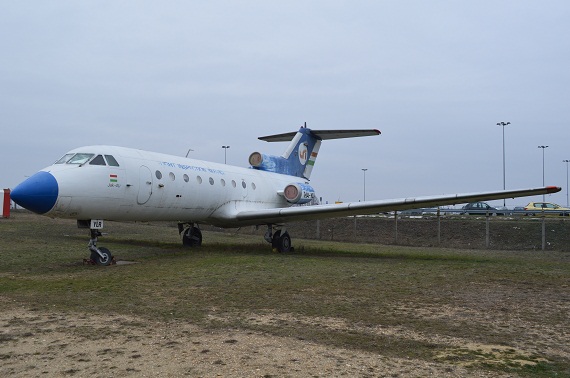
299, 193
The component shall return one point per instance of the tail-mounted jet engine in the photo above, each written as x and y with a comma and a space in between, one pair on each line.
299, 193
265, 162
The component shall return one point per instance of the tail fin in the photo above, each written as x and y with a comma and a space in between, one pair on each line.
299, 157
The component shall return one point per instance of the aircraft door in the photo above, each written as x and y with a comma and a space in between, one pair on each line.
145, 185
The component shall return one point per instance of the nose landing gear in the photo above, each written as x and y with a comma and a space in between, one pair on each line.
99, 255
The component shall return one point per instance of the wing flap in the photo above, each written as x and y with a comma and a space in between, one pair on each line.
291, 214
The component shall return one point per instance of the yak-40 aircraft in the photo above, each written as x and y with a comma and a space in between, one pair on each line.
96, 183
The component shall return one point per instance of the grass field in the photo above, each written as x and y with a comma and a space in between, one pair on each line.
500, 312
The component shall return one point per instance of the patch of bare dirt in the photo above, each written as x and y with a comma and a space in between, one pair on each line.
35, 343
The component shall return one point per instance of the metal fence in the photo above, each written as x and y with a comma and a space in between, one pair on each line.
496, 212
453, 230
447, 228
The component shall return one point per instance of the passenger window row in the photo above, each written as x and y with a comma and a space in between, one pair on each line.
199, 180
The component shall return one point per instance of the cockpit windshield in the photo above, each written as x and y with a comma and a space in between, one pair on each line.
64, 159
74, 159
97, 160
82, 158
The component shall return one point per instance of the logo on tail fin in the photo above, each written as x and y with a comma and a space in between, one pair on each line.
303, 153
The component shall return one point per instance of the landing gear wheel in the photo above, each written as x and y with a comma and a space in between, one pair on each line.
281, 241
192, 237
104, 260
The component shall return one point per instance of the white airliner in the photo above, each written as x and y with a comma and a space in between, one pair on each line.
96, 183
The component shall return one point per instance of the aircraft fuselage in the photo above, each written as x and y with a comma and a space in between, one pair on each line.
149, 186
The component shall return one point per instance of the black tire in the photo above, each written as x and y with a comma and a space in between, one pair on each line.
281, 242
192, 237
102, 261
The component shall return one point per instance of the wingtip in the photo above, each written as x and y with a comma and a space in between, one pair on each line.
553, 189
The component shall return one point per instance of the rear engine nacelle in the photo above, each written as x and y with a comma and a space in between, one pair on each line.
299, 193
265, 162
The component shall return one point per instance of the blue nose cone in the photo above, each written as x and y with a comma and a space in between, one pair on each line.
38, 193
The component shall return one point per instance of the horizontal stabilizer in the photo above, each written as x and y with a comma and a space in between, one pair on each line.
322, 135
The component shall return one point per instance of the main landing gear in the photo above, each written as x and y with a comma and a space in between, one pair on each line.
280, 240
191, 235
99, 255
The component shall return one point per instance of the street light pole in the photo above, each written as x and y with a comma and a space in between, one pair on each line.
364, 171
503, 124
543, 148
225, 153
567, 198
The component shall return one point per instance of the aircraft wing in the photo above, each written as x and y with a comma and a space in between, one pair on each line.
299, 213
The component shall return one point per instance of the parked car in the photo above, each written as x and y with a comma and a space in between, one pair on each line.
519, 210
480, 208
503, 210
553, 208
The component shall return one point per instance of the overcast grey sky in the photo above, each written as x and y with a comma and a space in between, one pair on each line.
434, 76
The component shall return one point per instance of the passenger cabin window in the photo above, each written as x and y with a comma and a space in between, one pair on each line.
98, 160
111, 161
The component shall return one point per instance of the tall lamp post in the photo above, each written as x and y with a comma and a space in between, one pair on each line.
543, 148
225, 153
503, 124
567, 198
364, 171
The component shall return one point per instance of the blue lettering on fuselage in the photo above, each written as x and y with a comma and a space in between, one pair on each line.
192, 168
217, 171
